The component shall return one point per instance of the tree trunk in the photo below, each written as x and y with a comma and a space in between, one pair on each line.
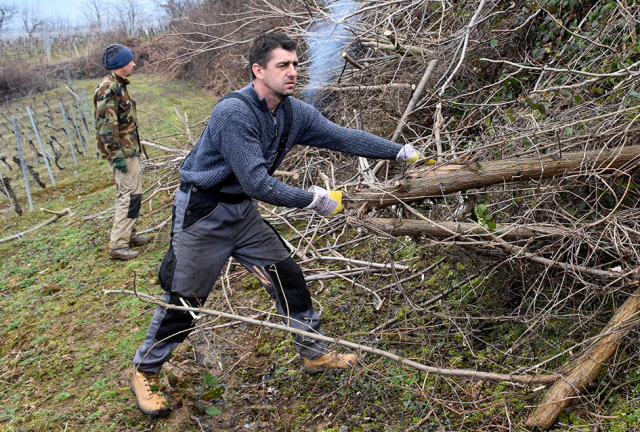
477, 175
585, 369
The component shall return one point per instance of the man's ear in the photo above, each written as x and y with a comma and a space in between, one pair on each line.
257, 70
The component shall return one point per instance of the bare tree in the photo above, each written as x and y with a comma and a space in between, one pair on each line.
175, 9
96, 12
7, 12
31, 18
127, 13
58, 25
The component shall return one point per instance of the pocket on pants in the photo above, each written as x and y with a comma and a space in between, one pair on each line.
200, 205
167, 269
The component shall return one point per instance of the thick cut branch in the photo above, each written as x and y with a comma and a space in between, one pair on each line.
380, 87
477, 175
352, 61
410, 50
444, 230
586, 368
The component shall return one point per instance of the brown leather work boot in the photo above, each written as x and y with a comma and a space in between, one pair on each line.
124, 254
148, 397
139, 241
329, 361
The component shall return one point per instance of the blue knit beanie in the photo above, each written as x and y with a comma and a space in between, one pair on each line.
116, 56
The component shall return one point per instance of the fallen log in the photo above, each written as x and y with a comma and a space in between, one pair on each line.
407, 50
445, 230
494, 239
586, 368
480, 174
379, 87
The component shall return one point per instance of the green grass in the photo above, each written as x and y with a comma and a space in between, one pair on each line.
156, 99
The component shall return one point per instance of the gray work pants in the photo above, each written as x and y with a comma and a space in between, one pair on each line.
205, 234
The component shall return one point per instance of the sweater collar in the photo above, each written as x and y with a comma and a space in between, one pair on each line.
259, 102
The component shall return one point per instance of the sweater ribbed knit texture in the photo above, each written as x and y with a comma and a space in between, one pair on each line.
231, 142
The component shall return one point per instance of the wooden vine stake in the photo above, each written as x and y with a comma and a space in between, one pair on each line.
586, 368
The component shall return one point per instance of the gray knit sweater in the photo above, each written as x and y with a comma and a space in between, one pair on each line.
231, 142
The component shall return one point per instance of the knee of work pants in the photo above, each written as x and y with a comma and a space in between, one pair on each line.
289, 286
176, 325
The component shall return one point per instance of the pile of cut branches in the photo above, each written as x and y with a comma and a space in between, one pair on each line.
527, 113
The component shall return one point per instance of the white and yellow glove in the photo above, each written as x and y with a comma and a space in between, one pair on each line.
325, 202
408, 154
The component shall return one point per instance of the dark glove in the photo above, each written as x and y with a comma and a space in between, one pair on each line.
121, 164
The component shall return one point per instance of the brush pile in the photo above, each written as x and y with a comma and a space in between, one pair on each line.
527, 113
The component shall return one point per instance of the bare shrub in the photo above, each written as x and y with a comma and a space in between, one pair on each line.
19, 80
190, 54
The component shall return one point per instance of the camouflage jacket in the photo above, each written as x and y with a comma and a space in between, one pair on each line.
116, 119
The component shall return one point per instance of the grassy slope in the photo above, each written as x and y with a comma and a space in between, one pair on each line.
65, 348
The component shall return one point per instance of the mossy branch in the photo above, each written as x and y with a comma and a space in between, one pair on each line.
58, 215
587, 367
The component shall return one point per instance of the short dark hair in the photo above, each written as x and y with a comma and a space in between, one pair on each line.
262, 45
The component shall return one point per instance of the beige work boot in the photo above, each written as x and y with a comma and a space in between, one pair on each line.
148, 396
329, 361
139, 241
124, 254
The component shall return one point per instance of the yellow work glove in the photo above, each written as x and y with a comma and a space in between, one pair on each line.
408, 154
325, 202
337, 197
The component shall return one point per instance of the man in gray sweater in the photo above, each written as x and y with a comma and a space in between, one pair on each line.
215, 214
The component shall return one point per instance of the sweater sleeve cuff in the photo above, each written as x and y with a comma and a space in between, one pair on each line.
309, 197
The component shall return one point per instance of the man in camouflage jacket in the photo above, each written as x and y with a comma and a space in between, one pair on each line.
118, 142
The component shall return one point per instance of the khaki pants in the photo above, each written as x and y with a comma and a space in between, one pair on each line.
128, 200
